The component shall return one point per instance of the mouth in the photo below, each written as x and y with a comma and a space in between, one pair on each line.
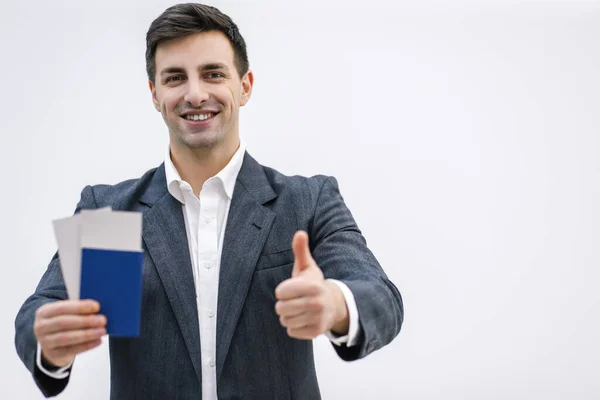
199, 118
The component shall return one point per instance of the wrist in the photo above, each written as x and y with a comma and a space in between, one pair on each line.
341, 320
50, 365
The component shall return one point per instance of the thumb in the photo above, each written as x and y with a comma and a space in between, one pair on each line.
302, 257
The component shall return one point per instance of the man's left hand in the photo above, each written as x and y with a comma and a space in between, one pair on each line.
308, 304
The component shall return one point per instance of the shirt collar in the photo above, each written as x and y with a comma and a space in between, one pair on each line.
227, 176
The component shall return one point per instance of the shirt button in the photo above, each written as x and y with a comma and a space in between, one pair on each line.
211, 362
208, 264
211, 313
208, 220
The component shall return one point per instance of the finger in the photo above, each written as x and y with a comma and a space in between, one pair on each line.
76, 349
299, 321
71, 338
305, 333
297, 306
295, 288
63, 323
68, 307
303, 258
290, 308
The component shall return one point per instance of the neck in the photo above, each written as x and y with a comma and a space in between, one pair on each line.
195, 166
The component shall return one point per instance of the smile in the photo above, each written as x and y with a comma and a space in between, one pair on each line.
198, 117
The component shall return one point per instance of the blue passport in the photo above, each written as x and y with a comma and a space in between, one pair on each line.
114, 279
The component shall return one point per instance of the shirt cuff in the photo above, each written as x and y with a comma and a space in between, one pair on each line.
60, 373
350, 338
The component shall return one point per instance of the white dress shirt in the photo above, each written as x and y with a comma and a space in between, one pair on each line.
205, 219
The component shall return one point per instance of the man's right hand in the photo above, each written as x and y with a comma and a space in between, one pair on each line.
68, 327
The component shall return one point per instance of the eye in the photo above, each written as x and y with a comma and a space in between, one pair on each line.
215, 75
174, 78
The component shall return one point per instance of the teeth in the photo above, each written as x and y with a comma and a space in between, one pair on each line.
198, 117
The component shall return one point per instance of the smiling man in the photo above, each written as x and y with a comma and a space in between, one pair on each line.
198, 85
243, 266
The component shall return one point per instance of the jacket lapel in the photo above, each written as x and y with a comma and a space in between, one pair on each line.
247, 229
165, 237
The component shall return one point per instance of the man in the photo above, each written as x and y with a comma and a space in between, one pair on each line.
243, 266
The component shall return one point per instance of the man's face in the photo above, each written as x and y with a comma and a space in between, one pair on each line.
198, 90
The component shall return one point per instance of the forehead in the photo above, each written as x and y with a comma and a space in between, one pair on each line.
193, 50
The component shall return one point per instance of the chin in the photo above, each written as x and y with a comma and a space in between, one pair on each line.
201, 140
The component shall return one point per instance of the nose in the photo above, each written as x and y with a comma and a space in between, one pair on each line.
196, 93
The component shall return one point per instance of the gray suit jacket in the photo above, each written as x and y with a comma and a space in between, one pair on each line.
256, 359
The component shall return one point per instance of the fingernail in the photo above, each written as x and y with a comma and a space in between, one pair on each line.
100, 332
101, 319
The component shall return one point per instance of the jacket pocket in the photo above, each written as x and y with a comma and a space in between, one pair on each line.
275, 260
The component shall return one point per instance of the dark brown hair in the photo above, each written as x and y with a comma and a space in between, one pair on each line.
185, 19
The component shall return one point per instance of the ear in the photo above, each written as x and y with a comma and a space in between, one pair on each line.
154, 99
247, 84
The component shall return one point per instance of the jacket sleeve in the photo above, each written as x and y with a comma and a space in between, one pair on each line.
50, 288
341, 251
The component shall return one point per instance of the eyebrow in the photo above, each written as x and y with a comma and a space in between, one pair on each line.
202, 68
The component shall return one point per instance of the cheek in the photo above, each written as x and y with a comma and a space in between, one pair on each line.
168, 106
169, 102
233, 98
225, 95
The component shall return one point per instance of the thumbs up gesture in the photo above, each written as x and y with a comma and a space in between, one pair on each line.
308, 304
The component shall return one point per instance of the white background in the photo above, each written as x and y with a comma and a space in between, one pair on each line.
465, 137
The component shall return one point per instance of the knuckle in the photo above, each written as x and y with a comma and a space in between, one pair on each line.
63, 339
319, 288
39, 313
61, 323
313, 288
317, 305
38, 327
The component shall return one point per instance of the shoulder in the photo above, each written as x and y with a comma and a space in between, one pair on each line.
298, 184
302, 195
122, 195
